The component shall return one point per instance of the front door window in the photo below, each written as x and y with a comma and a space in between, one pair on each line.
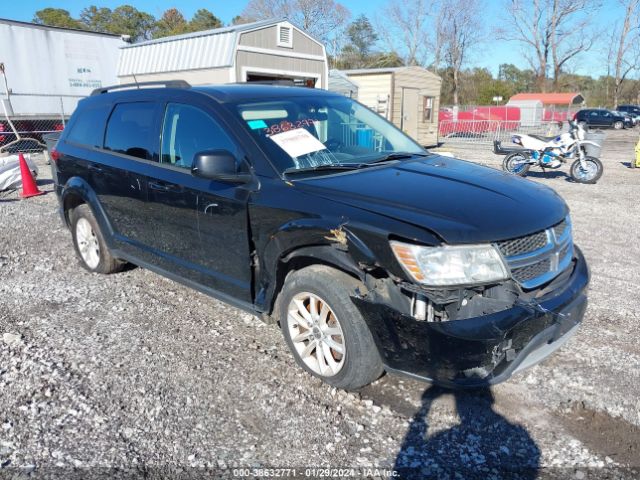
188, 130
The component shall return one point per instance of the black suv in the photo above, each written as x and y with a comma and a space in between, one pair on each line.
308, 209
599, 117
632, 110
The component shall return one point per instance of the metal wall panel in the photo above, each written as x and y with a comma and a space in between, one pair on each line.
206, 51
41, 60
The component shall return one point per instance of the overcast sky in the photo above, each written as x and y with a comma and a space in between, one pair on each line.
490, 55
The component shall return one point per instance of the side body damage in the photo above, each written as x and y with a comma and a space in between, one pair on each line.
463, 337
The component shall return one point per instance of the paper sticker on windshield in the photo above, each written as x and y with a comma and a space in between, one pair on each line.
297, 142
256, 124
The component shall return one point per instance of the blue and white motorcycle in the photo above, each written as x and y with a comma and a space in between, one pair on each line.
552, 152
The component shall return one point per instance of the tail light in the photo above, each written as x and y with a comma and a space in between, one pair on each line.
54, 154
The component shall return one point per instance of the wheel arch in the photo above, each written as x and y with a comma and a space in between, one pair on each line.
78, 192
306, 256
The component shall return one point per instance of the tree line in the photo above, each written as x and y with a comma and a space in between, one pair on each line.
128, 20
446, 36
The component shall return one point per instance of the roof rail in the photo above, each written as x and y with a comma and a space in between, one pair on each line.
165, 83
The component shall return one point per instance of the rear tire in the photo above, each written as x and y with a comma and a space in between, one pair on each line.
591, 175
514, 163
89, 242
324, 330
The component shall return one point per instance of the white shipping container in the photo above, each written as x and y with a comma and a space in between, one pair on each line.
50, 62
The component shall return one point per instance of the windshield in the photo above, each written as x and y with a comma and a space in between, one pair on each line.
318, 133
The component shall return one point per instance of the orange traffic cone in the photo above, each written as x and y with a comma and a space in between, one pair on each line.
29, 187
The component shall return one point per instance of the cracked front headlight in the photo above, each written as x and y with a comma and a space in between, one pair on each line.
451, 265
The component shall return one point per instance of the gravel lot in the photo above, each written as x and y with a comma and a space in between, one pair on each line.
133, 375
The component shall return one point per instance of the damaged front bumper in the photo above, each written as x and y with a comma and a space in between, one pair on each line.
484, 350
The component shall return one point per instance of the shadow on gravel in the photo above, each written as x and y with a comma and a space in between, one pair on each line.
41, 182
550, 175
482, 445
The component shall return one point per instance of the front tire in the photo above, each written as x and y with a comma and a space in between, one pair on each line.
89, 243
516, 163
592, 172
618, 125
324, 330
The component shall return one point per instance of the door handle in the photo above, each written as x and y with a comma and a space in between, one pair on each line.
165, 187
95, 168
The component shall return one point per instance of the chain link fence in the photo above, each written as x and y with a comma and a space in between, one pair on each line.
484, 132
484, 124
25, 118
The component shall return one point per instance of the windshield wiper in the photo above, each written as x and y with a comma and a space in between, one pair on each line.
326, 167
355, 166
399, 156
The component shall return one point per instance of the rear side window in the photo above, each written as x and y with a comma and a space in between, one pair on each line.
130, 128
88, 129
188, 130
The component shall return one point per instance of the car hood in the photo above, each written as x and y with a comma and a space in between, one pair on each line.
460, 201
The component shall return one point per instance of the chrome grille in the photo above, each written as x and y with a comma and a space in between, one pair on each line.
561, 228
518, 246
525, 274
538, 258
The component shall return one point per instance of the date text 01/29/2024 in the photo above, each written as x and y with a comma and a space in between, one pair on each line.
314, 472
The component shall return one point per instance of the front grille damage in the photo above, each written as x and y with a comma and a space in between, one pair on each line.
538, 266
535, 261
538, 258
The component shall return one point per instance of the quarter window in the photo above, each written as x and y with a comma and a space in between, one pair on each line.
88, 129
130, 128
188, 130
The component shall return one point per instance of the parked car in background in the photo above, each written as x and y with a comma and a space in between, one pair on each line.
630, 116
600, 117
310, 210
633, 110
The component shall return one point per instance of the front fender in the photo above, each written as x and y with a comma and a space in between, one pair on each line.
314, 240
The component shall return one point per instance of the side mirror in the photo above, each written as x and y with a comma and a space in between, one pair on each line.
218, 165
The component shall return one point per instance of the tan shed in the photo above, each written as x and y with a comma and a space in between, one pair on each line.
267, 51
408, 96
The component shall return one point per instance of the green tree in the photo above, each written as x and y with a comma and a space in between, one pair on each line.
128, 20
357, 53
203, 19
385, 60
56, 17
495, 88
361, 35
97, 19
518, 80
172, 22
